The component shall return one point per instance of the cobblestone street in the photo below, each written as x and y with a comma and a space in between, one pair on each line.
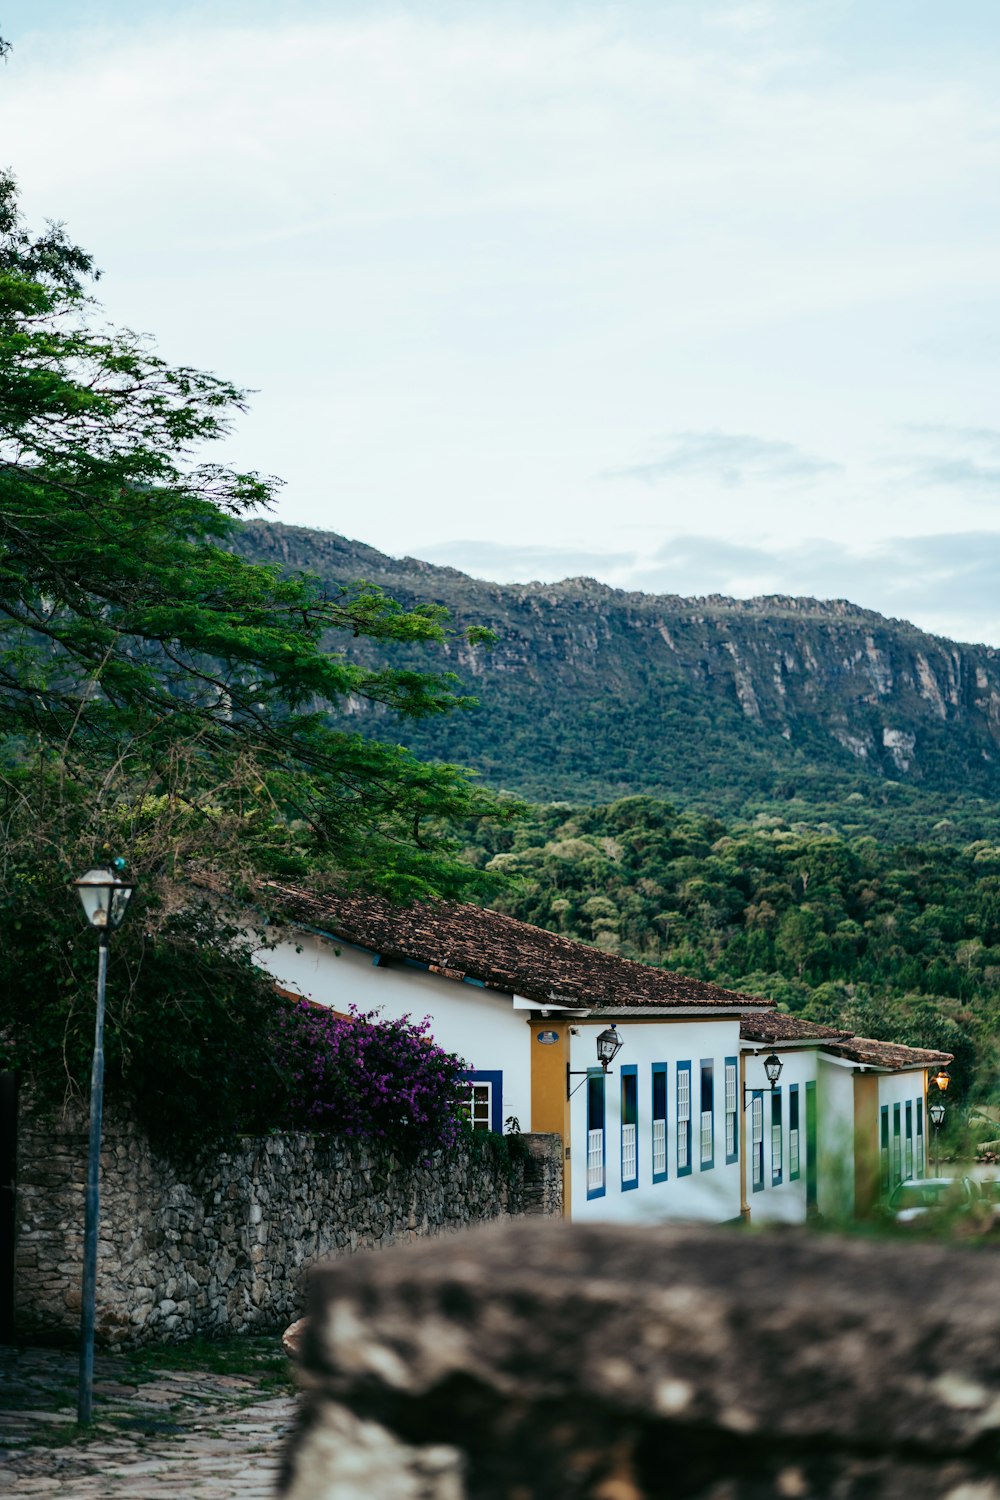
178, 1433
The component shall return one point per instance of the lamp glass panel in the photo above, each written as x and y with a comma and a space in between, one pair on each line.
608, 1045
95, 894
120, 896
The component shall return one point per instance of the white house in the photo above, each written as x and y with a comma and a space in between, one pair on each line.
685, 1124
845, 1123
656, 1137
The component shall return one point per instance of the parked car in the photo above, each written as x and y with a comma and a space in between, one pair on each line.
917, 1198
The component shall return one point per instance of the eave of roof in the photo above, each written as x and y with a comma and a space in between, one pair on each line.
779, 1027
890, 1057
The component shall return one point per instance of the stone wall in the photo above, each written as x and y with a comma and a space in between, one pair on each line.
550, 1361
224, 1243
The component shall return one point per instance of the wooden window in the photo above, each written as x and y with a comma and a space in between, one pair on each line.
707, 1114
793, 1132
908, 1143
757, 1139
659, 1122
732, 1114
885, 1165
897, 1145
921, 1164
630, 1126
595, 1136
484, 1104
683, 1118
777, 1150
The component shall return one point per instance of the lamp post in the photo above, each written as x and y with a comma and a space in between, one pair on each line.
104, 896
936, 1112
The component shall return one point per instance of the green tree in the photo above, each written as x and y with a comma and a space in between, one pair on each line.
163, 699
133, 642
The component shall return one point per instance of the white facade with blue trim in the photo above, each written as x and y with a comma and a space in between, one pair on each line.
685, 1125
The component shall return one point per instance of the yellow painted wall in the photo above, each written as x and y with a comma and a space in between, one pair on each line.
549, 1106
866, 1144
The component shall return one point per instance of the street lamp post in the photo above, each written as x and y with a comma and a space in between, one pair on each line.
936, 1112
104, 896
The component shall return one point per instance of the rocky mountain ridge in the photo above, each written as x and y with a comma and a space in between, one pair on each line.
596, 692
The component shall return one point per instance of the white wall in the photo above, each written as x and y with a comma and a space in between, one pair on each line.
835, 1115
712, 1194
479, 1025
900, 1088
784, 1202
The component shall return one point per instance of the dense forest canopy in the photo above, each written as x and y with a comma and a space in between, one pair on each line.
896, 942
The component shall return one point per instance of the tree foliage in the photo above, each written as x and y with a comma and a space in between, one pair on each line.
897, 942
165, 700
131, 639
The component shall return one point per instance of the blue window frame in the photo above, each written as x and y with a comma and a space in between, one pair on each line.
683, 1134
732, 1113
777, 1142
794, 1138
630, 1126
885, 1163
897, 1145
921, 1165
485, 1099
908, 1145
706, 1119
659, 1140
597, 1162
757, 1140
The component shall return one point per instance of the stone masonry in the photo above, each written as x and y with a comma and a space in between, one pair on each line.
223, 1244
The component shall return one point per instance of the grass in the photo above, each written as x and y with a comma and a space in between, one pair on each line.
250, 1355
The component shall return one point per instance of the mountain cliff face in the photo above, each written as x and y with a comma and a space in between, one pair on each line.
592, 692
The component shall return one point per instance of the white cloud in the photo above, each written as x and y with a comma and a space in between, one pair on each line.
476, 260
731, 459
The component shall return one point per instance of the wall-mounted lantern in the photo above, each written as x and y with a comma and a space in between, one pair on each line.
609, 1044
772, 1072
942, 1079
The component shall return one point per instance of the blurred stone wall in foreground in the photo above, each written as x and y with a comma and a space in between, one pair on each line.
547, 1361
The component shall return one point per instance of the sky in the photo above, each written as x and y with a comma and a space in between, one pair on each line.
691, 296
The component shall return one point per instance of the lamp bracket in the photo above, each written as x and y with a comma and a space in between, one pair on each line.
582, 1074
748, 1088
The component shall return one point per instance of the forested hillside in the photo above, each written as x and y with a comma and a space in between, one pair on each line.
894, 942
820, 710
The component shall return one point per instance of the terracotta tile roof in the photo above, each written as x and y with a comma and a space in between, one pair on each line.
891, 1055
778, 1027
499, 951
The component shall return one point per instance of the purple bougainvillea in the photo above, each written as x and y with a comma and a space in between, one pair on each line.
362, 1076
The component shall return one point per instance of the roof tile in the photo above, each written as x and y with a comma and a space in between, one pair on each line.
500, 951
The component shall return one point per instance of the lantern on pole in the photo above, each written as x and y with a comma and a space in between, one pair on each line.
104, 895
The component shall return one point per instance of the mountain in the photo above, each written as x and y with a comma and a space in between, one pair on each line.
593, 693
